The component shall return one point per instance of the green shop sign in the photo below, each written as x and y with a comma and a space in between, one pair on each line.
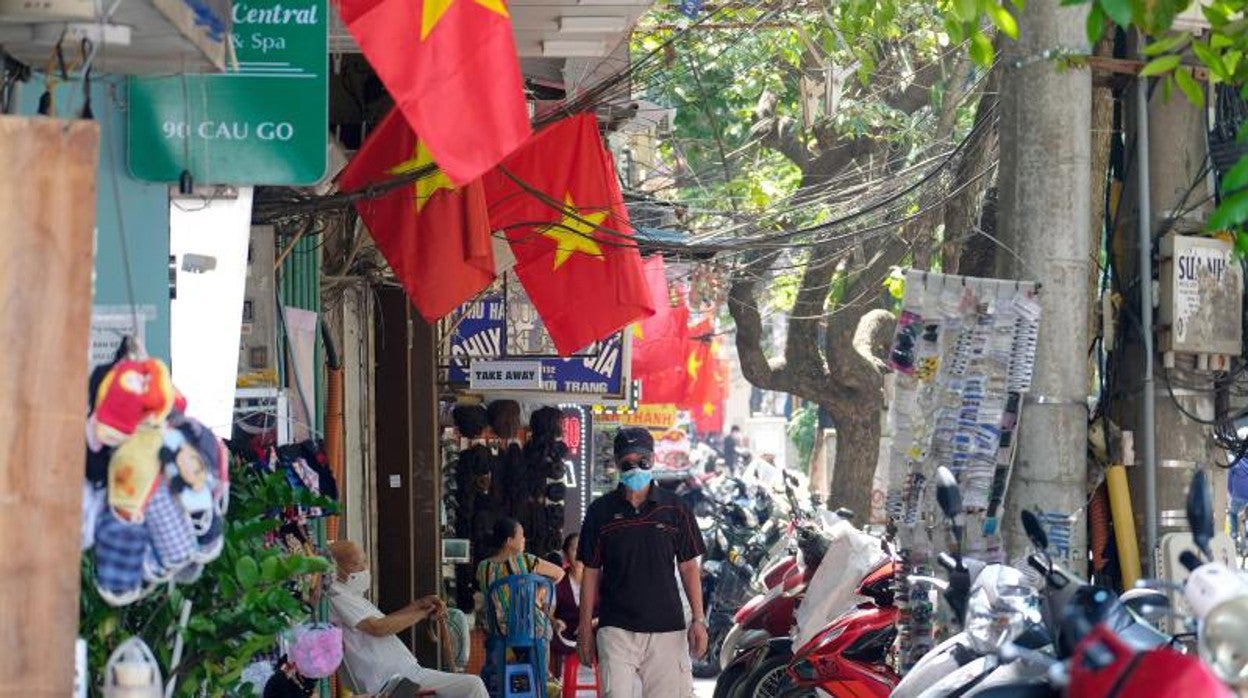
265, 123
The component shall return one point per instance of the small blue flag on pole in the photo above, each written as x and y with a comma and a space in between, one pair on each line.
690, 8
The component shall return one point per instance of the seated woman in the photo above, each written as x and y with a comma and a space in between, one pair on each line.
567, 604
510, 559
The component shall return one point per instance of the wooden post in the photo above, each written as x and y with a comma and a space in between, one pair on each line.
47, 217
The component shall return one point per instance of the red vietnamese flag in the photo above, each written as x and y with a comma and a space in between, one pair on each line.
660, 338
435, 237
451, 67
666, 386
699, 366
560, 204
708, 417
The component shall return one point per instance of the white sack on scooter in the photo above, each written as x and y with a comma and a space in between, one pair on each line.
851, 554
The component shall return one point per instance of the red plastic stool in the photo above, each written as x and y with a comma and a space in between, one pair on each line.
571, 674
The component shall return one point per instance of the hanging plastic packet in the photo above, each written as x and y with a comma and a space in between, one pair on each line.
902, 355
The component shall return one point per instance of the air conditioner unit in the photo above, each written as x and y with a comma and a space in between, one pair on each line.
30, 11
138, 37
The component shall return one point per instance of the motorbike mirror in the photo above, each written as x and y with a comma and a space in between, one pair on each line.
948, 496
1200, 512
1189, 560
1150, 604
847, 514
1035, 531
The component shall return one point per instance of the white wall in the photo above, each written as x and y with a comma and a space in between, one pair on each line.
206, 315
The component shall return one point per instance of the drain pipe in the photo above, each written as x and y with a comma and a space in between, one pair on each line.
1148, 417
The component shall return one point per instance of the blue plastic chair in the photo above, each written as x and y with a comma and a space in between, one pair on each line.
523, 632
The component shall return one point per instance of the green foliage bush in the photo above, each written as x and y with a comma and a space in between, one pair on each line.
244, 599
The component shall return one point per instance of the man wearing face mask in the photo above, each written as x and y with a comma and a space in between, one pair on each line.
371, 649
632, 543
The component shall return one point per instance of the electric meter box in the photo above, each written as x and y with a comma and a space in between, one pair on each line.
1201, 299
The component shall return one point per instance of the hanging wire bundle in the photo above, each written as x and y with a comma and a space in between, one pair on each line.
849, 208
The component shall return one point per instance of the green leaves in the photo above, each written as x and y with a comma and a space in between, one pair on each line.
1191, 89
1236, 178
239, 605
1117, 10
1004, 20
1212, 60
981, 49
966, 10
1096, 24
247, 572
1232, 212
1160, 65
1169, 44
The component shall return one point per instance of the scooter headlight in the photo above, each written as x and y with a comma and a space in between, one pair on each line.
999, 611
1223, 640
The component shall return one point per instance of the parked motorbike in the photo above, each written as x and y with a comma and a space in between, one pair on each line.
1103, 649
865, 630
727, 574
850, 656
987, 599
781, 585
771, 614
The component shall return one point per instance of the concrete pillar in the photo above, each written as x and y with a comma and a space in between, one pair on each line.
1177, 150
1045, 207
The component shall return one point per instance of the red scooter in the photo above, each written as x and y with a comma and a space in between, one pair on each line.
850, 656
845, 659
771, 614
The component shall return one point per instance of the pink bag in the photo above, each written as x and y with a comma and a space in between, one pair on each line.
316, 650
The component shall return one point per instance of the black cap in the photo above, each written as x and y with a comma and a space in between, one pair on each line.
633, 440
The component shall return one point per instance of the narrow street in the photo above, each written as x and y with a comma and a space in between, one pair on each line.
359, 344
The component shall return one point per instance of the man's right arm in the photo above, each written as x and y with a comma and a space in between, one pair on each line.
393, 623
586, 640
588, 552
589, 595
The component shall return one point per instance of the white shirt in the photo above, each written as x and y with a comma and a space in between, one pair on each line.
370, 660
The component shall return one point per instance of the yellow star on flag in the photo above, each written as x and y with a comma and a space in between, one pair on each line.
433, 10
693, 365
637, 332
425, 186
708, 409
575, 232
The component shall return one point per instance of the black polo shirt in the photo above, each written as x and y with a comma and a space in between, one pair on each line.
637, 551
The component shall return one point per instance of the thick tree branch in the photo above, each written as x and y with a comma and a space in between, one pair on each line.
873, 337
743, 306
913, 91
777, 132
802, 352
962, 212
849, 369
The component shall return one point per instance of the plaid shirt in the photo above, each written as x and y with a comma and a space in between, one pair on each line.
119, 548
170, 529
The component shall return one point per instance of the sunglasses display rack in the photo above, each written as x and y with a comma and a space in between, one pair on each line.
964, 353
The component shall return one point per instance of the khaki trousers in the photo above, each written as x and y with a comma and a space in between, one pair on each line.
644, 665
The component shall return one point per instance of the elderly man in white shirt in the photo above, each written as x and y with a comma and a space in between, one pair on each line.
372, 651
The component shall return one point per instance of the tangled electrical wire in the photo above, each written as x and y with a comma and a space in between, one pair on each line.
843, 210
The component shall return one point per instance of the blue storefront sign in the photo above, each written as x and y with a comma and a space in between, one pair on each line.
500, 329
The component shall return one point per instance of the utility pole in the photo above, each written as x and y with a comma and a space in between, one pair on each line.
1044, 218
1169, 135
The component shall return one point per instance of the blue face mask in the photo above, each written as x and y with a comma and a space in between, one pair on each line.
636, 479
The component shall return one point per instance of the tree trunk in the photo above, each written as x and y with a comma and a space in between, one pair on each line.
818, 465
857, 453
